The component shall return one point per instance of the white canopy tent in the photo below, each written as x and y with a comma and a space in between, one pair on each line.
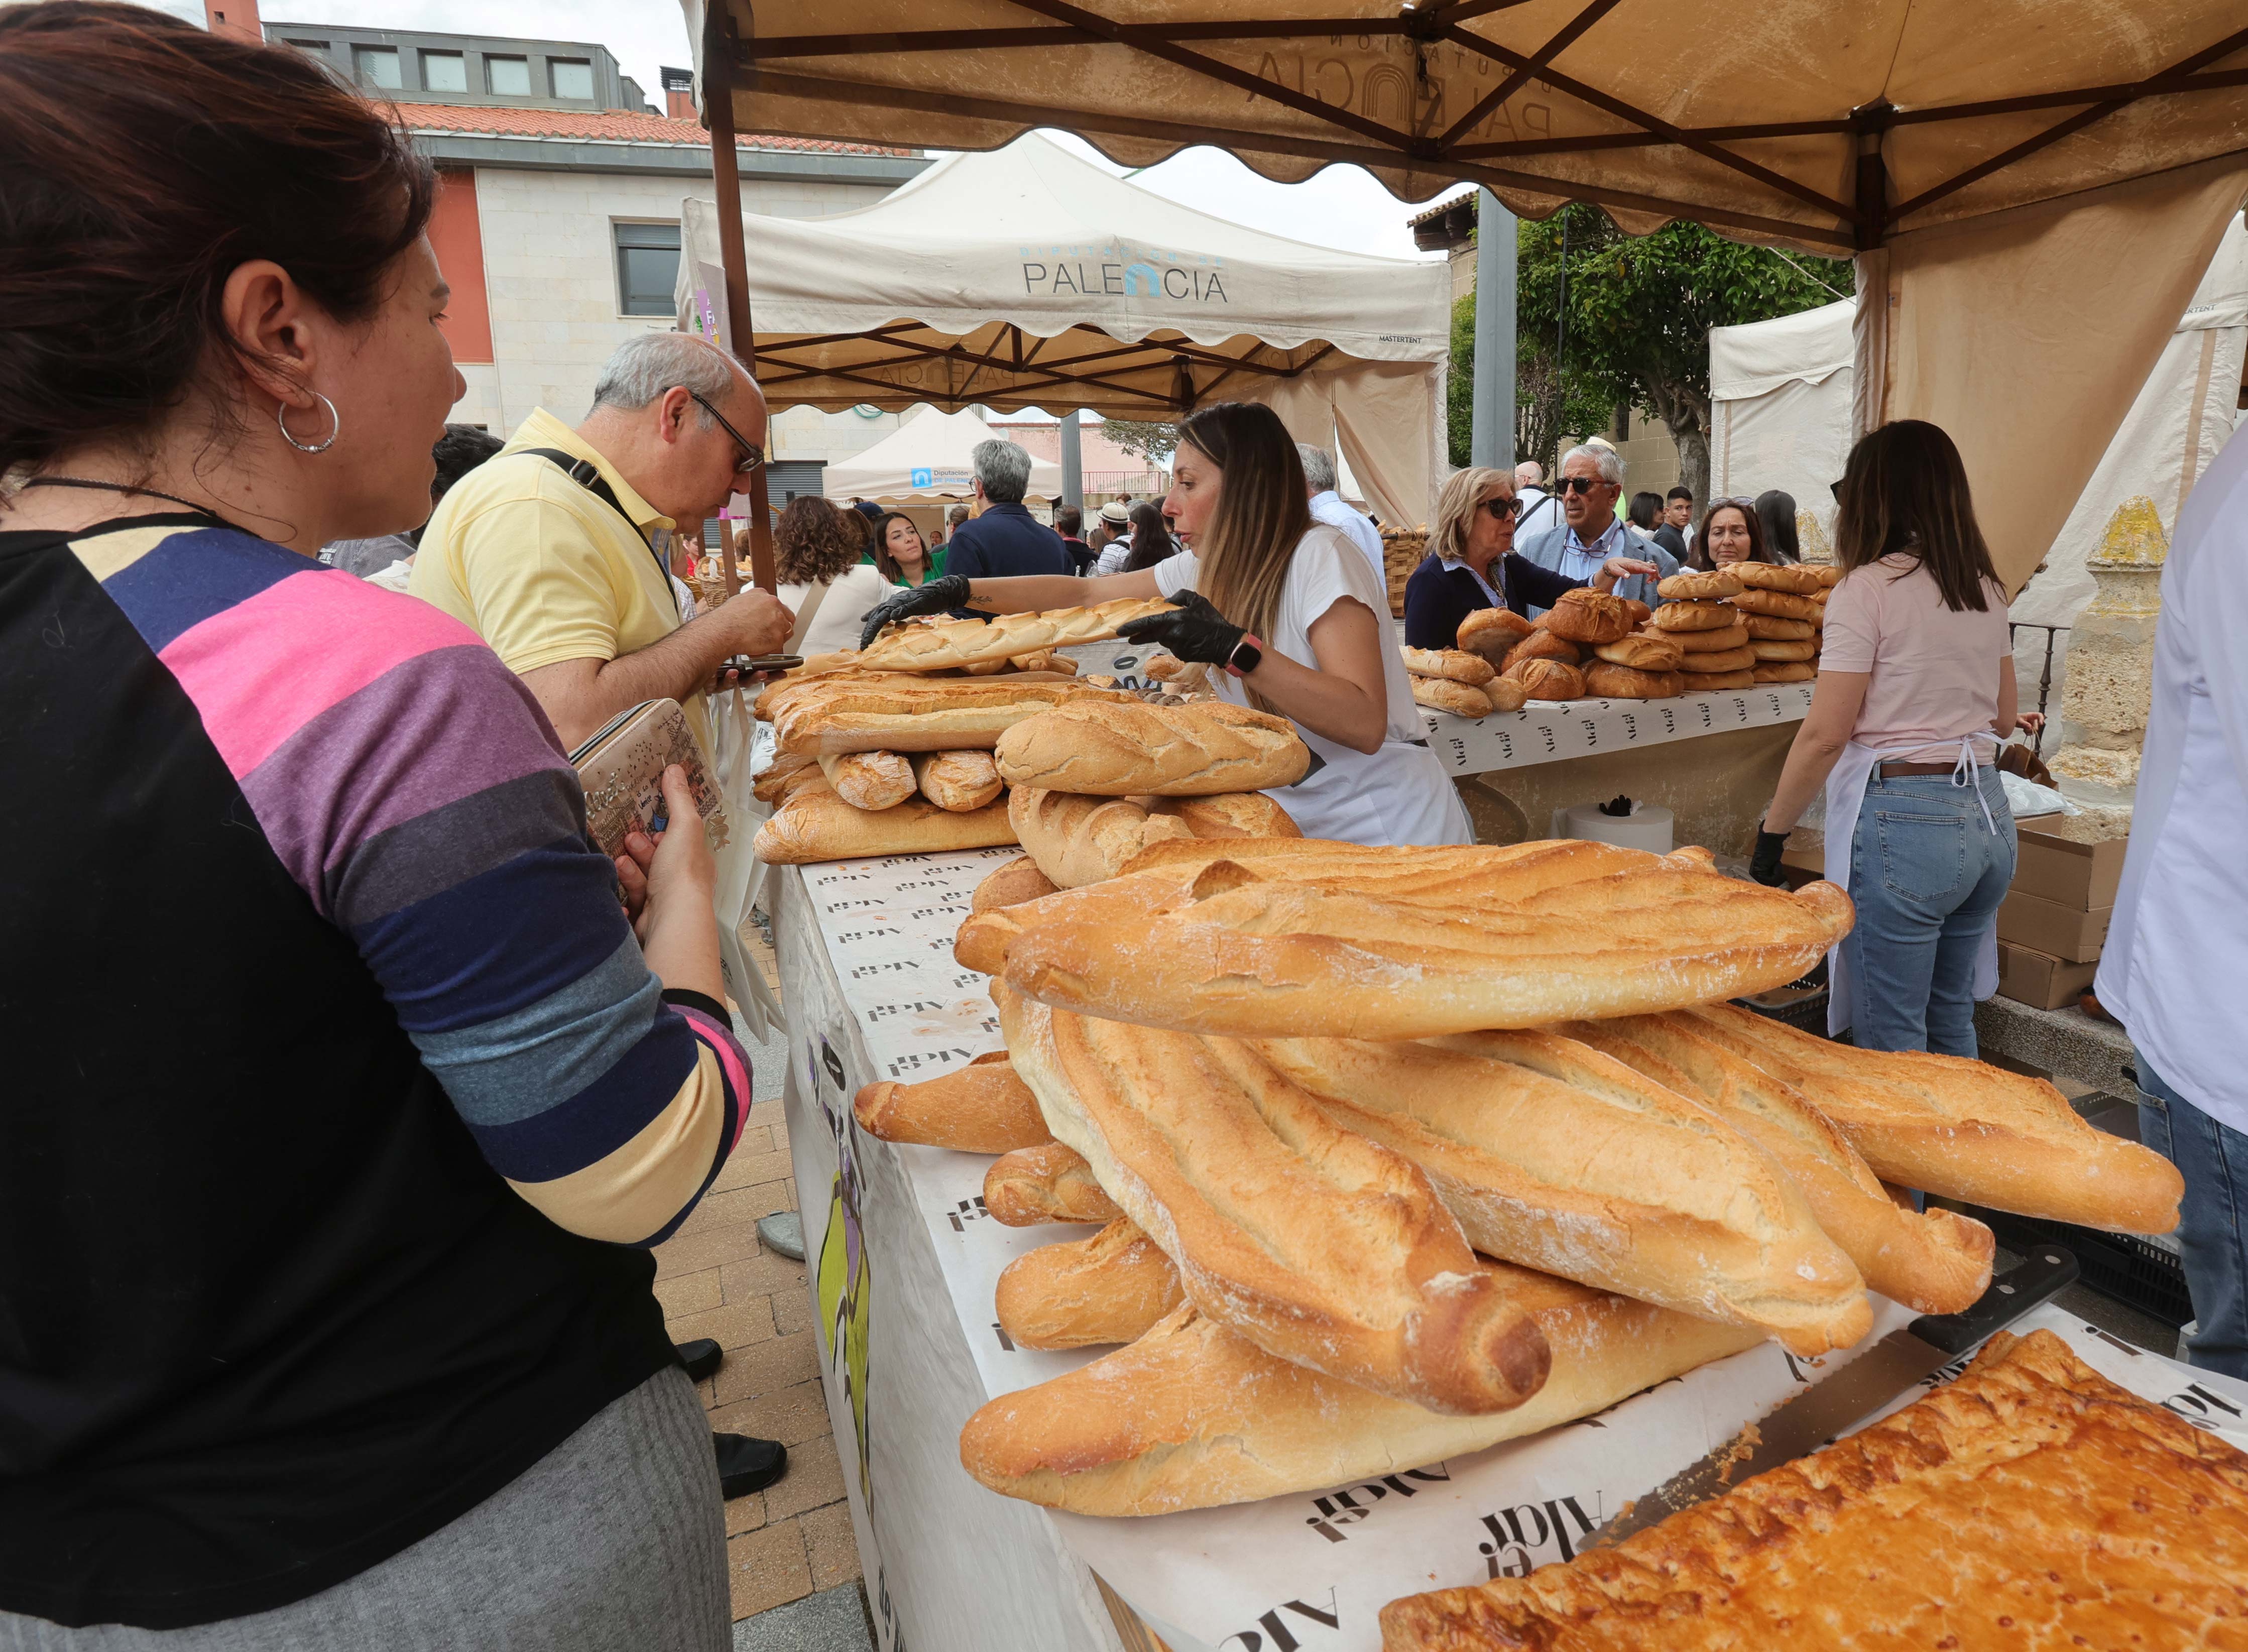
1780, 417
1028, 278
925, 462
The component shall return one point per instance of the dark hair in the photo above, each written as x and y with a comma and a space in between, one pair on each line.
1151, 540
1645, 509
1068, 521
147, 160
854, 522
1680, 491
1263, 511
1778, 510
1759, 550
461, 449
813, 543
887, 564
1905, 490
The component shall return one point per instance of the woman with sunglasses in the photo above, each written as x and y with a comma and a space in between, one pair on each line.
1472, 562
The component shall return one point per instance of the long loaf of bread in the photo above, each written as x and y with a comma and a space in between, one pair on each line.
1454, 665
1194, 1415
952, 644
1111, 750
827, 717
1048, 1182
813, 823
870, 780
1018, 880
982, 1108
956, 780
1228, 814
1077, 839
1461, 699
1560, 1158
1318, 1245
1075, 1293
1935, 1263
1962, 1128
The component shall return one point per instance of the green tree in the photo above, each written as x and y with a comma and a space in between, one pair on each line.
1151, 439
1547, 403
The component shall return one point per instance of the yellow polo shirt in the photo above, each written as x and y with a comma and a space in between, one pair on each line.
542, 569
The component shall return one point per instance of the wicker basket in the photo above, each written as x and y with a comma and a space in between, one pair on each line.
1403, 550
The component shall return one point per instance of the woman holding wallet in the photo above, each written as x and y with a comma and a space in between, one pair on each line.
1290, 613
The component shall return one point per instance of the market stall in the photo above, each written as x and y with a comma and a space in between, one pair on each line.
927, 462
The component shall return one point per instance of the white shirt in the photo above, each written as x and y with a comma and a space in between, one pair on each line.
1329, 508
1113, 557
1539, 511
836, 625
2177, 945
1398, 793
1582, 561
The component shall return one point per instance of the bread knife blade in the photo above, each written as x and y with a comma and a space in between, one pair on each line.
1830, 1409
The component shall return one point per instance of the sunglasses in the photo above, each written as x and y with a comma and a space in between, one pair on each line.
752, 454
1503, 510
1578, 484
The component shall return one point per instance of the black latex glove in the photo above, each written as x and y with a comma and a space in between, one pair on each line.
937, 596
1193, 630
1764, 864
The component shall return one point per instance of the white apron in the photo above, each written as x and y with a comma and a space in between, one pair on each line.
1846, 793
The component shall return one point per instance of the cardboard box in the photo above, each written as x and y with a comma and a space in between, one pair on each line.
2080, 876
2049, 927
2038, 979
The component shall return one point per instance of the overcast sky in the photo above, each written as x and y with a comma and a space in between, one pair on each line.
1343, 207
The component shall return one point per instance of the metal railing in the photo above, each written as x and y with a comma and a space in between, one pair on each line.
2052, 633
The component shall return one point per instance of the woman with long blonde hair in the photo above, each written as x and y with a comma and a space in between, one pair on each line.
1289, 610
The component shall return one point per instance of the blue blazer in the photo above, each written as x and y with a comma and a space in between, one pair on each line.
1437, 598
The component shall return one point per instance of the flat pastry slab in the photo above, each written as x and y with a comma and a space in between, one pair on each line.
2029, 1505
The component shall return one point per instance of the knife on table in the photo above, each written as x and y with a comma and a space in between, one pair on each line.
1833, 1407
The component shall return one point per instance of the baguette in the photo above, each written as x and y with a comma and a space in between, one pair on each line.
1192, 1415
1018, 880
1770, 627
982, 1108
1961, 1128
951, 644
1693, 616
1561, 1158
1454, 665
1048, 1183
1076, 1293
870, 780
1229, 814
1790, 577
1123, 751
918, 714
1735, 635
1780, 652
1320, 1247
1727, 659
1440, 694
1588, 616
813, 679
1938, 1263
1642, 653
1622, 683
1692, 584
816, 825
957, 780
1782, 604
783, 775
1078, 841
1287, 938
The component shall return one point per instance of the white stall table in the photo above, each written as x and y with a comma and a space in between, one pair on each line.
902, 1260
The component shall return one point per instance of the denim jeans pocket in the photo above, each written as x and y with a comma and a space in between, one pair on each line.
1923, 850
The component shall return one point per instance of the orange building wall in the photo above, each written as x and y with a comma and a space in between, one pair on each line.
459, 244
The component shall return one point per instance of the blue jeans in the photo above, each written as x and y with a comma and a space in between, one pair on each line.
1926, 874
2213, 1159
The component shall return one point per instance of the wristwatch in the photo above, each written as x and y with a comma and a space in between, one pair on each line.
1247, 655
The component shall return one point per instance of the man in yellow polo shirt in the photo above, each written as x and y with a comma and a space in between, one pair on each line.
573, 590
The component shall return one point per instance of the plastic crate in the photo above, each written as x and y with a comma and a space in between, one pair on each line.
2133, 1270
1801, 1003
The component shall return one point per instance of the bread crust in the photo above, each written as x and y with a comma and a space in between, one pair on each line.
1782, 604
870, 780
814, 825
1642, 653
1588, 616
1018, 880
1547, 680
1440, 694
1719, 681
1117, 750
1735, 635
1454, 665
1695, 585
953, 644
1048, 1183
982, 1108
1077, 840
1784, 671
1829, 575
1776, 652
1717, 660
1229, 814
1077, 1293
1622, 683
1693, 616
1491, 632
956, 780
1770, 627
1790, 577
836, 714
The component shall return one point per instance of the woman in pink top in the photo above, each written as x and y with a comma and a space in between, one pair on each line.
1915, 690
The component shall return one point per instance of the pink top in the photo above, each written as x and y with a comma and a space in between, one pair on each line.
1934, 673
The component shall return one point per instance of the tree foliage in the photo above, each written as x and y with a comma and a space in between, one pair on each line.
1153, 440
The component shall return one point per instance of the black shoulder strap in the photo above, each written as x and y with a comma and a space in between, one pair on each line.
584, 473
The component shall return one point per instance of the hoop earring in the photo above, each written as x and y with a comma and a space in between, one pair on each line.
335, 426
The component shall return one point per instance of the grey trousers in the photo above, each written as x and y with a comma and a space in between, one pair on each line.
614, 1541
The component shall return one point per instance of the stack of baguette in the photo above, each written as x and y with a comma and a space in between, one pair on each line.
1465, 684
1347, 1228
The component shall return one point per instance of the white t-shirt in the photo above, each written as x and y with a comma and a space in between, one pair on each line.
1329, 508
1399, 793
836, 625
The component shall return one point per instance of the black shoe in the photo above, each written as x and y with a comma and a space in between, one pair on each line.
747, 1465
702, 1357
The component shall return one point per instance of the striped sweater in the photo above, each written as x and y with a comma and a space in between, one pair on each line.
404, 1091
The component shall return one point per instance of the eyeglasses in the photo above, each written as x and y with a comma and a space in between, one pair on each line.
1578, 484
752, 454
1504, 510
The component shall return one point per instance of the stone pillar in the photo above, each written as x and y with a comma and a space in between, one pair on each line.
2111, 656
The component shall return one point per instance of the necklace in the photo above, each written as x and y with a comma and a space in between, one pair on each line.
122, 487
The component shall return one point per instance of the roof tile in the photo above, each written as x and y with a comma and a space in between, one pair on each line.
616, 126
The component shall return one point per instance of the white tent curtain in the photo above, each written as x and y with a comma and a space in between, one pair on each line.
926, 461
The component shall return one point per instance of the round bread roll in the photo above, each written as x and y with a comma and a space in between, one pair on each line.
1781, 603
1740, 659
1455, 664
1769, 652
1548, 680
1542, 644
1622, 682
1642, 653
1694, 616
1491, 632
1733, 636
1770, 627
1790, 577
1442, 694
1718, 682
1829, 576
1588, 616
1786, 671
1640, 613
1694, 586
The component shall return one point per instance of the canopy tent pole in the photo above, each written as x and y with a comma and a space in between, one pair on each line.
718, 107
1490, 441
1072, 460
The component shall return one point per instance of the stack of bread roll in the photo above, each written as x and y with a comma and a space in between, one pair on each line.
1570, 652
1401, 1153
1463, 683
1784, 609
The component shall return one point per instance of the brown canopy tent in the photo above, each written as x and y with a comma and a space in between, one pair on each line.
2035, 185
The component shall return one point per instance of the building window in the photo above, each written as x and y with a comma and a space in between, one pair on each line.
572, 79
508, 76
377, 66
647, 268
444, 72
320, 47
